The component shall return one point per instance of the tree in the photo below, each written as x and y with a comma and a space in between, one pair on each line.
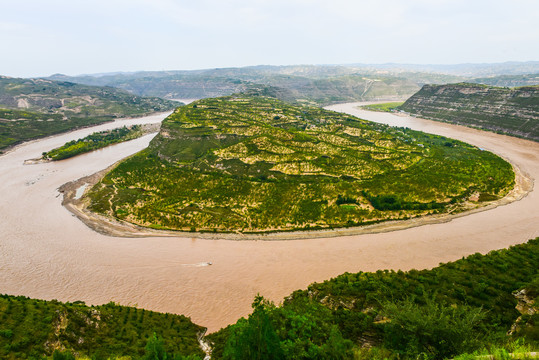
62, 355
433, 329
155, 349
254, 338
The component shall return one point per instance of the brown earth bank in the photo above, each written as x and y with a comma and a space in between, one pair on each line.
46, 252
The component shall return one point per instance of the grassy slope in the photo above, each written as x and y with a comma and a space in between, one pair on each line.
353, 304
510, 111
259, 164
31, 328
34, 108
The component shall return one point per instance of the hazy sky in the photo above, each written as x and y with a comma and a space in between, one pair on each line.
42, 37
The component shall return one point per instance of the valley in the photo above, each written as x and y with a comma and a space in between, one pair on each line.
167, 273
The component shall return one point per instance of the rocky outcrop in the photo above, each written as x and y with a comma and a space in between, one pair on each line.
527, 306
513, 111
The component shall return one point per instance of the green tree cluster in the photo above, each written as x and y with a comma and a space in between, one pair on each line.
456, 308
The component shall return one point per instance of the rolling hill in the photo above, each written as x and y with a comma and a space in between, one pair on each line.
34, 108
256, 164
512, 111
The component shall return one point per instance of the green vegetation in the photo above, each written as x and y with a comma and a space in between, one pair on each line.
384, 107
37, 329
256, 164
509, 111
34, 108
461, 307
94, 141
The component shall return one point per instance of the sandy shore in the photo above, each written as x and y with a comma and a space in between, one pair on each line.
118, 228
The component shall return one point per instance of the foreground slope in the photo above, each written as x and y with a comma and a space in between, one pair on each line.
256, 164
476, 303
473, 304
511, 111
31, 328
33, 108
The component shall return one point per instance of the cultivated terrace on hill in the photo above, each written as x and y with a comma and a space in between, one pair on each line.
513, 111
34, 108
247, 163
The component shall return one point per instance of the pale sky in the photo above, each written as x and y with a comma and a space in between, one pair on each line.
42, 37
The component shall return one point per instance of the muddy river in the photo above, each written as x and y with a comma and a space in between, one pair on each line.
47, 253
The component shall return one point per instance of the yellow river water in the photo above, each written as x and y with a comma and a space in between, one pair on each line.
47, 253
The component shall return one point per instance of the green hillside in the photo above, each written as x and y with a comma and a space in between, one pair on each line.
256, 164
459, 307
512, 111
477, 305
34, 108
34, 329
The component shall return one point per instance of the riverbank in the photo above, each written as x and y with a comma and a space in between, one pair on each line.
114, 227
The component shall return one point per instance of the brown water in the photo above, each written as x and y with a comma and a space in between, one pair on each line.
47, 253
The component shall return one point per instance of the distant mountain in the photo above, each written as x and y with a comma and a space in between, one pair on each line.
33, 108
511, 111
466, 70
317, 84
509, 80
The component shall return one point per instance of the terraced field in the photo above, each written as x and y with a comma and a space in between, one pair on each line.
255, 164
511, 111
